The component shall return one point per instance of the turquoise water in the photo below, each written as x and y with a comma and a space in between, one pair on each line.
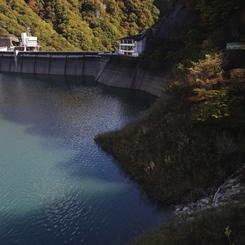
56, 185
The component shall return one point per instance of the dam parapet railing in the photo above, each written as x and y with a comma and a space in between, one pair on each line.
53, 63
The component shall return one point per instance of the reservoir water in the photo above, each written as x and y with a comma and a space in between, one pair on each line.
56, 185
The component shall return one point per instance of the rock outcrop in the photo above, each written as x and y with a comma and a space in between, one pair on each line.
232, 189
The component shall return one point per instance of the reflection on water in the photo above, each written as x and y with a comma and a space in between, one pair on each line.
56, 185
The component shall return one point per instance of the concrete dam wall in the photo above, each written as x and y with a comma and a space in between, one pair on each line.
48, 63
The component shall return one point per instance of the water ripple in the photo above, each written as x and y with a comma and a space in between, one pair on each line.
56, 185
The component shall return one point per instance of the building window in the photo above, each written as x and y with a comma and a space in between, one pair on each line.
127, 41
127, 48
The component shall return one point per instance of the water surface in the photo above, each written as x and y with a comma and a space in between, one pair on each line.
56, 185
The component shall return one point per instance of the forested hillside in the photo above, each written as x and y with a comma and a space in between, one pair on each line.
98, 24
77, 24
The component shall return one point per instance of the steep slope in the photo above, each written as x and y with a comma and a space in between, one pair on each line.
16, 16
77, 25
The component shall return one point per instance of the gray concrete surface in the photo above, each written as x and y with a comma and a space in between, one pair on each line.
133, 73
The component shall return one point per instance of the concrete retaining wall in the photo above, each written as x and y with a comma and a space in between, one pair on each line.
133, 73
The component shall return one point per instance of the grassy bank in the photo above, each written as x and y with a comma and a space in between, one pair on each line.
173, 158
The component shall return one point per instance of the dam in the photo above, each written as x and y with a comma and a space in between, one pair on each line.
53, 63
